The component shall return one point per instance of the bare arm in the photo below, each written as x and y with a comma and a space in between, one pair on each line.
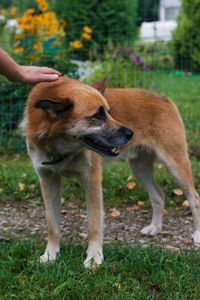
26, 74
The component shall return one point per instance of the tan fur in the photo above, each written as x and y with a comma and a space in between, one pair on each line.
158, 134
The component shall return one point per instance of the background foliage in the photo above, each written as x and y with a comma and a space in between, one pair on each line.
109, 19
186, 37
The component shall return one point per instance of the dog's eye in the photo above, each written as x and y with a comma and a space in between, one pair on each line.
100, 115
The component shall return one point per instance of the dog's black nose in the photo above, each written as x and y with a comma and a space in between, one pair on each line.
127, 132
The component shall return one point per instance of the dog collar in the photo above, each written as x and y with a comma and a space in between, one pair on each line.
54, 161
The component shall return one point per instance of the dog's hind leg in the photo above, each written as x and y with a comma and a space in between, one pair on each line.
92, 185
51, 192
178, 165
142, 168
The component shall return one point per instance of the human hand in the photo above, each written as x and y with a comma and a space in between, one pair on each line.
34, 74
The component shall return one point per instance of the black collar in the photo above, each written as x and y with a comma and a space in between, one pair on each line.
54, 161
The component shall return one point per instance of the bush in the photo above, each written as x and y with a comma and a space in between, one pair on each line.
186, 37
109, 19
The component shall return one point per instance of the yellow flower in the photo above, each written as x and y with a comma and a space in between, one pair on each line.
86, 36
16, 43
38, 46
62, 23
43, 6
13, 10
30, 11
20, 49
19, 36
76, 44
87, 29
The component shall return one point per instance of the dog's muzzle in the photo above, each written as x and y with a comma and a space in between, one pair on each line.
106, 143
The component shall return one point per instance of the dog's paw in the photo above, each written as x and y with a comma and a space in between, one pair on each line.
151, 230
96, 259
196, 238
94, 255
46, 257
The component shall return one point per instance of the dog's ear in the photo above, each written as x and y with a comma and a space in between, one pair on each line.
53, 107
100, 85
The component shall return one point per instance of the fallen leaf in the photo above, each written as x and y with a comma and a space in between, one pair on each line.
28, 195
140, 203
130, 208
21, 186
83, 235
115, 213
145, 211
94, 268
83, 216
160, 166
22, 279
178, 192
187, 241
1, 190
118, 287
131, 185
170, 247
166, 212
32, 186
63, 211
185, 204
72, 205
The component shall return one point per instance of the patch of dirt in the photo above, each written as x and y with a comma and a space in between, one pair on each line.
28, 222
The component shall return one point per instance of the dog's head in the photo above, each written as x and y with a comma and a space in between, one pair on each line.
74, 110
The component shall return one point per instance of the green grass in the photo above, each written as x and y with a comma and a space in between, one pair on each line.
15, 171
129, 272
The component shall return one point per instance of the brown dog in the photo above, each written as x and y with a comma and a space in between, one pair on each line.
66, 119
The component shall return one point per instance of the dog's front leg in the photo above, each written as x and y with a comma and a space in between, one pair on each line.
51, 192
93, 191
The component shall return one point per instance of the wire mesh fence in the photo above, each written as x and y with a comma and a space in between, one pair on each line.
149, 44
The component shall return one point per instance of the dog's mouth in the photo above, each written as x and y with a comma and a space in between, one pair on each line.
99, 147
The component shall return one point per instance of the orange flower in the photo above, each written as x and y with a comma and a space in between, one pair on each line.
19, 36
62, 23
16, 43
43, 6
76, 44
86, 36
13, 10
18, 50
87, 29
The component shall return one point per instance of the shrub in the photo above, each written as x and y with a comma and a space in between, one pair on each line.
109, 20
186, 37
38, 43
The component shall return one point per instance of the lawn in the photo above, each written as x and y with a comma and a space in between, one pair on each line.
129, 272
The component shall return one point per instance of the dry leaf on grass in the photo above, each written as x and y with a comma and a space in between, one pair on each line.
160, 166
94, 268
130, 208
21, 186
22, 279
83, 216
178, 192
72, 205
140, 203
83, 235
115, 213
131, 185
32, 186
185, 204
